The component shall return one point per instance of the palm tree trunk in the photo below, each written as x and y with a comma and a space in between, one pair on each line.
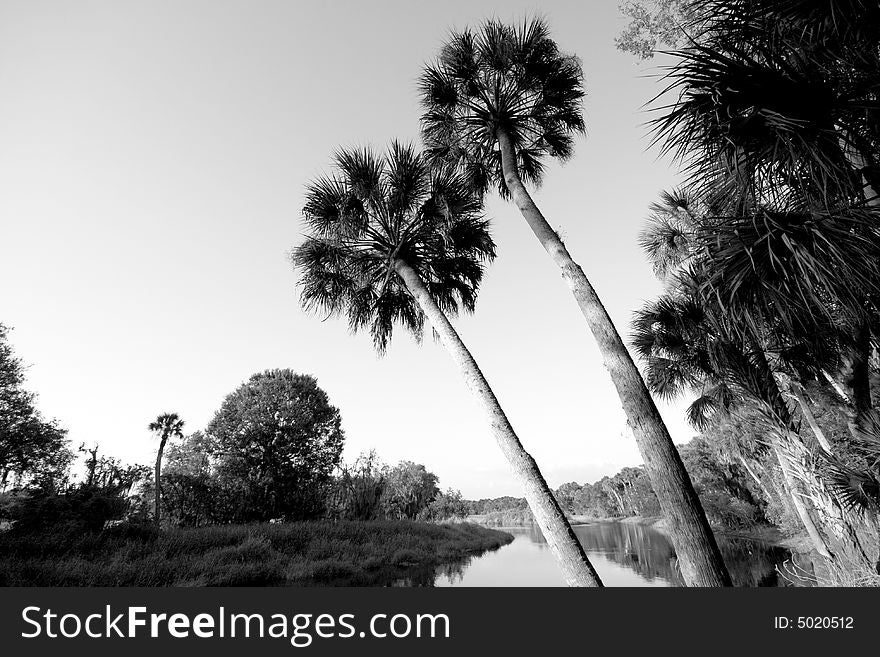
756, 479
576, 567
837, 387
859, 376
815, 535
158, 488
698, 553
807, 412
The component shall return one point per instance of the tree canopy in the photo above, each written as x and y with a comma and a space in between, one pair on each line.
32, 449
279, 435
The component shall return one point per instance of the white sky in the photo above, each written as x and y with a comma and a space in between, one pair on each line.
153, 157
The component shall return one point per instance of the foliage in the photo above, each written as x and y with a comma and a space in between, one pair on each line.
103, 496
655, 24
167, 425
447, 505
357, 491
771, 260
375, 211
374, 553
501, 78
33, 451
279, 438
409, 490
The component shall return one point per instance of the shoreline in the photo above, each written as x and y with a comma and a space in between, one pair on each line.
762, 534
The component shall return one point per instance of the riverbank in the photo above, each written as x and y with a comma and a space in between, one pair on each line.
369, 553
761, 533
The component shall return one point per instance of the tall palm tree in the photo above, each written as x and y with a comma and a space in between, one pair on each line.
496, 104
167, 425
393, 241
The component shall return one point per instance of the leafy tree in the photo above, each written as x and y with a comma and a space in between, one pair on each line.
358, 489
447, 505
654, 25
104, 495
279, 437
165, 426
192, 492
722, 485
32, 450
393, 241
497, 102
409, 490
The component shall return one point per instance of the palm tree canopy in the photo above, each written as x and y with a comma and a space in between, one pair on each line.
374, 210
501, 77
690, 346
800, 279
777, 93
167, 425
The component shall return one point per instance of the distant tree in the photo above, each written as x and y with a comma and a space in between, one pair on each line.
566, 494
722, 484
167, 425
32, 450
409, 489
279, 436
357, 490
447, 505
192, 493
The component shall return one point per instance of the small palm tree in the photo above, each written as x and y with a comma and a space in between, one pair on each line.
166, 426
392, 242
496, 104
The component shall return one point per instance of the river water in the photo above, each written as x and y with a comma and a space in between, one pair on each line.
623, 555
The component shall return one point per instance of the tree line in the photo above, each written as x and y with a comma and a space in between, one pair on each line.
271, 452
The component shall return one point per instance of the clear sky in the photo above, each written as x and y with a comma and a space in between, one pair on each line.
152, 163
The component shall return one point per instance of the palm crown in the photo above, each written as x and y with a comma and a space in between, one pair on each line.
506, 78
777, 95
167, 425
375, 210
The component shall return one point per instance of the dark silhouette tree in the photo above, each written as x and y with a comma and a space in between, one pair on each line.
279, 438
165, 426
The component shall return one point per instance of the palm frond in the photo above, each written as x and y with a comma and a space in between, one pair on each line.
374, 210
512, 78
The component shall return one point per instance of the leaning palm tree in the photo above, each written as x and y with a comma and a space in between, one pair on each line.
392, 241
496, 104
166, 426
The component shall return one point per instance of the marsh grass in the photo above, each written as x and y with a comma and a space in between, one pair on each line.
369, 553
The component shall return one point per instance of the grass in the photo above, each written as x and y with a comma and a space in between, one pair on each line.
374, 553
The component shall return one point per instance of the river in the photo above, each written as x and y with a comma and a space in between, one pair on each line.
623, 555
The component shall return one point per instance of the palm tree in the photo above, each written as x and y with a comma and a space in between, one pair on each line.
691, 342
166, 426
776, 106
496, 104
393, 241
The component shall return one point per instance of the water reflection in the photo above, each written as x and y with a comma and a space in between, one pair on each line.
623, 554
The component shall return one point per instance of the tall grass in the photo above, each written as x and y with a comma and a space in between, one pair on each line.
350, 553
